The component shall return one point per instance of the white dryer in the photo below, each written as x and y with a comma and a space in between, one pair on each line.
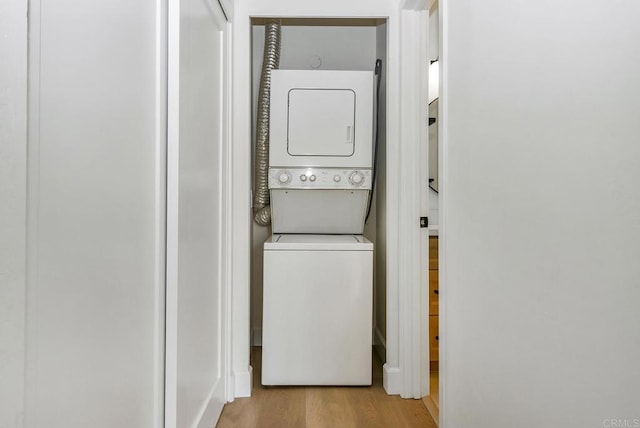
321, 118
317, 316
320, 150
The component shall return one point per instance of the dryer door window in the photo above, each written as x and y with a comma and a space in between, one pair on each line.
321, 122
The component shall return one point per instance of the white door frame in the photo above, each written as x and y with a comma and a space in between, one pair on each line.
406, 371
443, 148
172, 31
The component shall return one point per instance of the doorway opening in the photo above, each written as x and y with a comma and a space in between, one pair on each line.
328, 44
432, 401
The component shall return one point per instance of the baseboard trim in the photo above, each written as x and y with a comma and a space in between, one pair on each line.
391, 380
213, 406
256, 336
380, 344
243, 382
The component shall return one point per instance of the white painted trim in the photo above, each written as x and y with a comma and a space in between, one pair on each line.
392, 208
443, 183
243, 382
227, 215
224, 387
239, 245
211, 409
407, 283
173, 164
423, 171
404, 371
160, 212
391, 380
408, 216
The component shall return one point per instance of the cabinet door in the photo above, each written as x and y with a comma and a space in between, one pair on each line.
195, 376
433, 253
434, 338
433, 292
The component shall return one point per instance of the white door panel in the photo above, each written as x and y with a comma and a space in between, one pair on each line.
95, 324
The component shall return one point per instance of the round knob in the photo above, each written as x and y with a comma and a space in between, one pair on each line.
284, 177
337, 178
312, 178
356, 178
303, 177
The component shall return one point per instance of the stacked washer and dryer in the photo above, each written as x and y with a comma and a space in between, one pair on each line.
318, 267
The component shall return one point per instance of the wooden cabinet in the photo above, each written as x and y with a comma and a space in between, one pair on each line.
433, 253
433, 293
433, 338
433, 298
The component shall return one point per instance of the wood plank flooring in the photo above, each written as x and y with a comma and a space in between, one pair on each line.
320, 407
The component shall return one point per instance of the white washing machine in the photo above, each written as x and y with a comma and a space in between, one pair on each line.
320, 150
317, 316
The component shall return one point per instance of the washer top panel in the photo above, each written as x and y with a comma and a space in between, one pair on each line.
318, 242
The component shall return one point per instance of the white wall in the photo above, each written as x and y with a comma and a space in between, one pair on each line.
541, 234
339, 48
96, 229
13, 186
380, 249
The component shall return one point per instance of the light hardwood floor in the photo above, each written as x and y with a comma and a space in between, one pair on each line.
319, 407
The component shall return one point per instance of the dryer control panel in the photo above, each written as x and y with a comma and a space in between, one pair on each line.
319, 178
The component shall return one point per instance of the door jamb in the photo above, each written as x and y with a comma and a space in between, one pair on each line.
407, 369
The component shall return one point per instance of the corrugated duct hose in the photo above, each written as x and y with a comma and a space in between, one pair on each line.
376, 141
270, 61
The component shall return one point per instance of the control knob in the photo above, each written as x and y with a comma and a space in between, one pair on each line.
284, 177
356, 178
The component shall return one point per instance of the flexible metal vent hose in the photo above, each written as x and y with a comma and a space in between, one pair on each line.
270, 61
